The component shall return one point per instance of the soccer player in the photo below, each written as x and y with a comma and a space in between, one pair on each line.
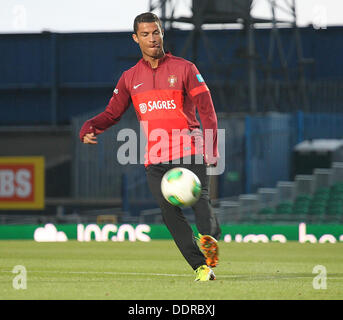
165, 91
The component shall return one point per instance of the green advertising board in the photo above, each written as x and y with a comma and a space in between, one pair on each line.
144, 232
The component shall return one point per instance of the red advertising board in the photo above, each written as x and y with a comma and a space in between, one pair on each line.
21, 182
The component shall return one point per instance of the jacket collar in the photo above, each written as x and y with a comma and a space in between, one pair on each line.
166, 56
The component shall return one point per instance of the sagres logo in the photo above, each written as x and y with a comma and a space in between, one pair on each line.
157, 105
143, 107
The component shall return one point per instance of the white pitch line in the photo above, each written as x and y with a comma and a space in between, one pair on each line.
257, 277
105, 272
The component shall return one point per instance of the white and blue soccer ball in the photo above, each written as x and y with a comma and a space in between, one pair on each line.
181, 187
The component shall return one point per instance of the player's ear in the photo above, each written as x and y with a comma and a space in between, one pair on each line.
135, 38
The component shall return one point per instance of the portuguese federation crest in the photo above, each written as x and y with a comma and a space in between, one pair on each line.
172, 80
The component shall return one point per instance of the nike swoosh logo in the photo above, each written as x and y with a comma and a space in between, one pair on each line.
138, 85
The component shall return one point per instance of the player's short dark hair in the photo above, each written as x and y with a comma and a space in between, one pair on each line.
145, 17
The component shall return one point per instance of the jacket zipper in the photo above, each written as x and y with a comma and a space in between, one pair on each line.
153, 78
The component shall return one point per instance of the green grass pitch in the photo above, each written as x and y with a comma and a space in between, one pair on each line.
157, 271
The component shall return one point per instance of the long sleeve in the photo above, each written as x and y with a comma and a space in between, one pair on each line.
198, 91
118, 104
209, 123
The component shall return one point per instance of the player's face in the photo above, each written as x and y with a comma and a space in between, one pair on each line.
150, 39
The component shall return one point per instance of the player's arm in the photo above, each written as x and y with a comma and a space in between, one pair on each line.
118, 104
198, 91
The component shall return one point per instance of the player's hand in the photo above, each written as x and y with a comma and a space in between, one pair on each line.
210, 161
212, 165
90, 138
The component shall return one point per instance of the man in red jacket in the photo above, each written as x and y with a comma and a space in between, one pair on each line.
165, 91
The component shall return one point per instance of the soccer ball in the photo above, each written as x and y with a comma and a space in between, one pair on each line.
181, 187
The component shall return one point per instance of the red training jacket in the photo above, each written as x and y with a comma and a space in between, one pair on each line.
165, 101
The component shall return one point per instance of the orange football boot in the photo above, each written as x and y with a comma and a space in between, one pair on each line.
209, 247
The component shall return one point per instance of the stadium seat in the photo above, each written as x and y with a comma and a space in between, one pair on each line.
335, 208
265, 214
267, 211
317, 210
284, 208
303, 198
336, 197
323, 192
301, 205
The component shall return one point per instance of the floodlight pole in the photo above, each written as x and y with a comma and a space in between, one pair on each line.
300, 59
251, 66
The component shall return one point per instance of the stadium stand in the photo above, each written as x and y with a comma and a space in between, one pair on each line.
316, 198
